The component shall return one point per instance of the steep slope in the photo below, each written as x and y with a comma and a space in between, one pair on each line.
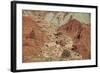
80, 33
33, 39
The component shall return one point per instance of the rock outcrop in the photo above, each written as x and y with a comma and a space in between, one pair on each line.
80, 33
33, 39
55, 36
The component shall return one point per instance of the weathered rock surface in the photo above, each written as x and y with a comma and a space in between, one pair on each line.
33, 38
72, 28
55, 36
80, 33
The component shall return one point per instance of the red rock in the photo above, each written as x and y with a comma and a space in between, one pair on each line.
33, 38
85, 41
71, 28
80, 33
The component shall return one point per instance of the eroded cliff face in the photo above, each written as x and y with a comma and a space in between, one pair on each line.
80, 33
55, 36
33, 39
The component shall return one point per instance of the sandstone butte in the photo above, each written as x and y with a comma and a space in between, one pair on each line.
80, 33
